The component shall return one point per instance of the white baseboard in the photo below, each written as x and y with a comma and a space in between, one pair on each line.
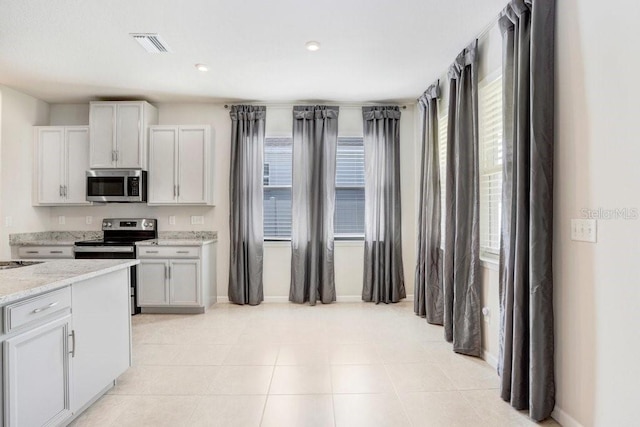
563, 418
490, 359
344, 298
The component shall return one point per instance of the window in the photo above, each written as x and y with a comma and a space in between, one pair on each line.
277, 187
349, 213
277, 177
491, 131
443, 125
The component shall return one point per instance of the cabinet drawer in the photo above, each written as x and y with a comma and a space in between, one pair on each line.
45, 252
168, 252
33, 309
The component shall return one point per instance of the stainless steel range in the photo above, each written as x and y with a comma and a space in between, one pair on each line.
120, 235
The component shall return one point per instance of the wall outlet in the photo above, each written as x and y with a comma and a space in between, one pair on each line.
8, 221
172, 220
197, 219
486, 313
584, 230
88, 219
61, 220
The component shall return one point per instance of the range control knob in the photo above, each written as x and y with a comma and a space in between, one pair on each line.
107, 225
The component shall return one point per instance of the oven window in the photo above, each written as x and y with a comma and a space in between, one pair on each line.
106, 186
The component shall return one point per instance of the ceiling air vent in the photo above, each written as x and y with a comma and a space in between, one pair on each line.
151, 42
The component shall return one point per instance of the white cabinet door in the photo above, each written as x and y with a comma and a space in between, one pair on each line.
185, 282
77, 164
37, 375
102, 119
153, 284
101, 323
193, 167
163, 149
49, 165
129, 146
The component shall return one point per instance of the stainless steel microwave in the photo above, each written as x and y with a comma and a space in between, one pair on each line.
116, 185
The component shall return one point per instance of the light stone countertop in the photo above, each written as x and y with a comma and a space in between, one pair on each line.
22, 282
52, 238
176, 242
181, 238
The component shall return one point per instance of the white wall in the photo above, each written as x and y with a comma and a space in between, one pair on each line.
597, 291
20, 112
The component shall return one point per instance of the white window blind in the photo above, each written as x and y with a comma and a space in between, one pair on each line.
349, 209
443, 125
349, 182
277, 187
491, 134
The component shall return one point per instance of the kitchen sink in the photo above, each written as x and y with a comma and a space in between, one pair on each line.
6, 265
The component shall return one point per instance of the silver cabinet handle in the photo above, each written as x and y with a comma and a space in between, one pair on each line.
73, 343
175, 191
178, 191
55, 252
113, 155
65, 191
61, 191
169, 272
150, 252
166, 274
46, 307
182, 252
117, 155
33, 252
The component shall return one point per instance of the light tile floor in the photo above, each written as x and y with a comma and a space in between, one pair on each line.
343, 364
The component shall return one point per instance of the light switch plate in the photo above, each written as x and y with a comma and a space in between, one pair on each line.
8, 221
61, 220
197, 219
584, 230
88, 219
172, 220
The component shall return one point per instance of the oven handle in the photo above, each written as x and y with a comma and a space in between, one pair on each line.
103, 249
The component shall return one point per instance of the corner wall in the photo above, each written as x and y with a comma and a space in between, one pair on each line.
597, 291
20, 112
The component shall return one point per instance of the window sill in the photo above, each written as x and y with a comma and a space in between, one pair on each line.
490, 262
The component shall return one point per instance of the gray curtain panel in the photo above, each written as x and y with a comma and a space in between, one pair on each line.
428, 300
526, 357
461, 275
383, 271
245, 201
315, 141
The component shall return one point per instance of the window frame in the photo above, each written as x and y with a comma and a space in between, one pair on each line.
490, 253
349, 236
336, 236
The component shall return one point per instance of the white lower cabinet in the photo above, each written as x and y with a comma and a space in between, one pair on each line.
102, 330
63, 349
37, 381
176, 278
169, 283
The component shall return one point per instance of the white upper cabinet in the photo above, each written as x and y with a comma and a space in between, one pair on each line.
61, 156
180, 165
119, 134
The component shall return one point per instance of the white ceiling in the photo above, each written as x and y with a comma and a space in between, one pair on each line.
65, 51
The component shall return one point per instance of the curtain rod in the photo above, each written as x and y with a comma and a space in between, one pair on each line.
404, 107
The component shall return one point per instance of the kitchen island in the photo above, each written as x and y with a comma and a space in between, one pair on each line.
66, 337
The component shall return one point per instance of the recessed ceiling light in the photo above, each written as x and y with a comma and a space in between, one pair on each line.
312, 46
202, 67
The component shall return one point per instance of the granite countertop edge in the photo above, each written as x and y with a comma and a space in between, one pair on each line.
24, 282
176, 242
